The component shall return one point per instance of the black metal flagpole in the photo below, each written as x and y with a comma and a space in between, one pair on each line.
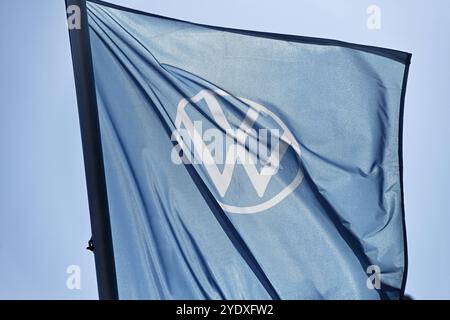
92, 150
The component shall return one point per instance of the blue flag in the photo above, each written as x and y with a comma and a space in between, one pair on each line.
248, 165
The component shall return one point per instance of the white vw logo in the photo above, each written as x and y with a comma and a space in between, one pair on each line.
239, 154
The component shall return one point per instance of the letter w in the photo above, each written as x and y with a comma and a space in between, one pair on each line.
237, 151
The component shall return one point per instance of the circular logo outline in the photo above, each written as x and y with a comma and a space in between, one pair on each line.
287, 137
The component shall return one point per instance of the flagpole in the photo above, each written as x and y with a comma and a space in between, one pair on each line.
92, 150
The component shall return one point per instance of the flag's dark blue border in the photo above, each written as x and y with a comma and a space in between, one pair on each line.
94, 166
400, 157
93, 156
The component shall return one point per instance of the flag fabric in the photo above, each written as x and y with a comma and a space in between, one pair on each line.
248, 165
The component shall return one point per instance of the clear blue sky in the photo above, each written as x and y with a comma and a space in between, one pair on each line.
44, 219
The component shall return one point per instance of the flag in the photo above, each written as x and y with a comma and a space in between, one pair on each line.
233, 164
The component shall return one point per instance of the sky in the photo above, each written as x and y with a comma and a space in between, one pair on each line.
44, 217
